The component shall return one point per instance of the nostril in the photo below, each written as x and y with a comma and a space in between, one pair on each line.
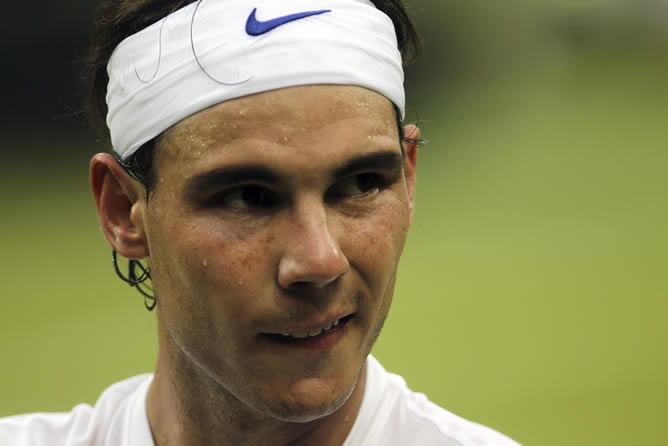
307, 270
312, 282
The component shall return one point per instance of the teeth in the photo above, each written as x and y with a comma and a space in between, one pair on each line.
302, 335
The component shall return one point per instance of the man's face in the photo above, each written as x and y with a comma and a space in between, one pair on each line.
280, 213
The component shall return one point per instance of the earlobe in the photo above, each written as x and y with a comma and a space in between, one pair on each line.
411, 143
120, 206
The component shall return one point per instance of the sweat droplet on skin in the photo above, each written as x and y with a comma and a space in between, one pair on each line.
205, 263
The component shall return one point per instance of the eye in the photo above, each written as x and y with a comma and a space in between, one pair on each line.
357, 186
246, 198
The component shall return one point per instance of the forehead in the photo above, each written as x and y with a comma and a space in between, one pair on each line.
311, 120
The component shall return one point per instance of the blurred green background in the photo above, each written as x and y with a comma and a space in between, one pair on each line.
533, 294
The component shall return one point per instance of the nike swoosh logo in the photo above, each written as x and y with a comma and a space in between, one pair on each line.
255, 27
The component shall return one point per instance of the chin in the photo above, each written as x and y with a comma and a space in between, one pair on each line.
308, 406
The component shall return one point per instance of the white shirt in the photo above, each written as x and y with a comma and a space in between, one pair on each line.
390, 415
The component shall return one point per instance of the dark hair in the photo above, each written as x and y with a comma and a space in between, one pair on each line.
118, 19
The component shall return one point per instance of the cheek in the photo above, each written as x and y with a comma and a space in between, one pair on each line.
209, 273
375, 242
374, 253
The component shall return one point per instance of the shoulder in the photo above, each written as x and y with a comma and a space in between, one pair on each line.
408, 418
83, 425
430, 424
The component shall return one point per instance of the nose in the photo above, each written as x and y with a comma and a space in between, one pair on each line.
313, 256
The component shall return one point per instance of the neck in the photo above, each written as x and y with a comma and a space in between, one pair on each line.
186, 407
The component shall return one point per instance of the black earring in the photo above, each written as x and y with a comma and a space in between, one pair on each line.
135, 280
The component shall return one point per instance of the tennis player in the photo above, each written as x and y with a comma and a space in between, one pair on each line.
261, 172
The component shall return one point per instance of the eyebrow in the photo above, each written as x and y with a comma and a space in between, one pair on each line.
384, 160
229, 175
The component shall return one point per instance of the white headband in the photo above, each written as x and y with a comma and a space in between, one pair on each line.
242, 48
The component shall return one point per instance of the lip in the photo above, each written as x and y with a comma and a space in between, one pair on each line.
323, 341
310, 327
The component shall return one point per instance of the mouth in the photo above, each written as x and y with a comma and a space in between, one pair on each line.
320, 338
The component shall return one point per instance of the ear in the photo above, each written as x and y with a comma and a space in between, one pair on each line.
410, 144
120, 205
